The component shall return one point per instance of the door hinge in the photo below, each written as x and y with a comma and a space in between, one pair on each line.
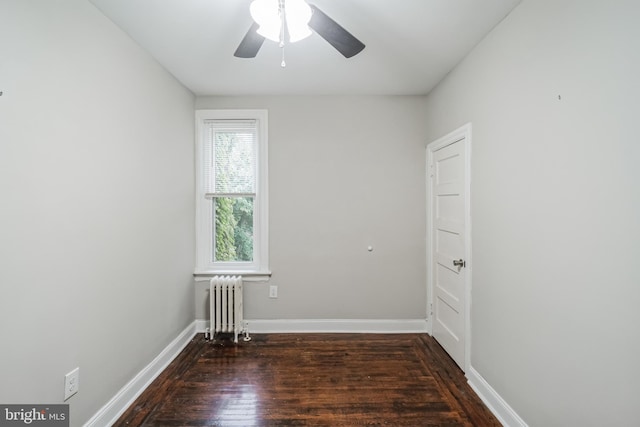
430, 309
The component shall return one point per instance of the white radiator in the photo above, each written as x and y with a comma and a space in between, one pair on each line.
225, 299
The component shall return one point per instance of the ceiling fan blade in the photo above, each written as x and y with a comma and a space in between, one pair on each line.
250, 44
332, 32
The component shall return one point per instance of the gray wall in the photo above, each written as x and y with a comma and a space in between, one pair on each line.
344, 173
96, 223
555, 207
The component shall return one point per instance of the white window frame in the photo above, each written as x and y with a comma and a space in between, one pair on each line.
204, 207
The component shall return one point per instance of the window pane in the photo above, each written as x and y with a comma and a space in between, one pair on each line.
234, 161
233, 225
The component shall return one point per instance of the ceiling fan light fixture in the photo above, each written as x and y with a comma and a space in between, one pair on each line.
267, 14
279, 20
298, 15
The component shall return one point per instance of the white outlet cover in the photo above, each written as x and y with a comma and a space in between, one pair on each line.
71, 383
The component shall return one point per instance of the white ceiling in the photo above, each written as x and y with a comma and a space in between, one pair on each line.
410, 44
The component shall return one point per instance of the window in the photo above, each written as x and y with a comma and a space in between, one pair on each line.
231, 187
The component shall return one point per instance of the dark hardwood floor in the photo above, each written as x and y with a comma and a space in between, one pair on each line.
311, 380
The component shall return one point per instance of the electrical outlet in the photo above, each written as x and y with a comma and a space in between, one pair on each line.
273, 291
71, 383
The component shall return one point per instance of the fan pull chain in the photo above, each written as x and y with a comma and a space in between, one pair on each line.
283, 18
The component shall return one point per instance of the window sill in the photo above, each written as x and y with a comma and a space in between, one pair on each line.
247, 276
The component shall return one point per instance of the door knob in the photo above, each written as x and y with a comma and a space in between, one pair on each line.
458, 263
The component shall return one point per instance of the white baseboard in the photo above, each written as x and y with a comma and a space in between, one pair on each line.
201, 326
387, 326
496, 404
110, 412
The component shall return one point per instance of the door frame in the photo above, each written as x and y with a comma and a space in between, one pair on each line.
462, 133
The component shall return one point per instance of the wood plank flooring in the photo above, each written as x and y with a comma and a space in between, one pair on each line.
311, 380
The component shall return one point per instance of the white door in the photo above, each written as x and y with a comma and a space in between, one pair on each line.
449, 247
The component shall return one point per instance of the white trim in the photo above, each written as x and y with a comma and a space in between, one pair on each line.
119, 403
428, 261
202, 325
201, 276
463, 132
204, 232
496, 404
369, 326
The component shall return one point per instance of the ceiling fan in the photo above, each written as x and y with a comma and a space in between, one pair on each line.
294, 20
